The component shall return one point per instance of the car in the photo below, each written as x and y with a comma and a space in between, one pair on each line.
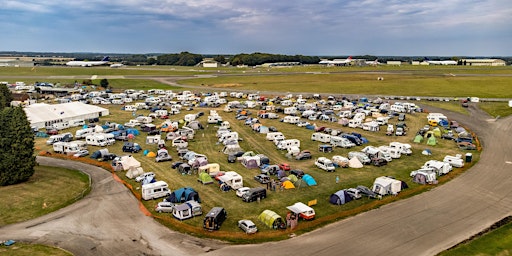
304, 154
163, 156
262, 178
466, 145
81, 153
379, 162
175, 165
298, 173
448, 136
241, 191
144, 176
52, 132
366, 192
272, 129
247, 226
270, 169
164, 207
320, 129
354, 193
284, 166
108, 157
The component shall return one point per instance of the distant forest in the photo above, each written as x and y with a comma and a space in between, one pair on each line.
192, 59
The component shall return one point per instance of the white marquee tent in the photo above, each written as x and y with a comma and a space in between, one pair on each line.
41, 115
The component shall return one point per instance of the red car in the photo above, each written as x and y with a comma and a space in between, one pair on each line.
284, 166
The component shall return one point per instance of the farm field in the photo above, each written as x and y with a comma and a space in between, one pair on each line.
205, 142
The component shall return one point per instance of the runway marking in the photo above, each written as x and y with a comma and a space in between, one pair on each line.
508, 162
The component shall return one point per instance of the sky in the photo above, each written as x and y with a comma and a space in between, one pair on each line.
306, 27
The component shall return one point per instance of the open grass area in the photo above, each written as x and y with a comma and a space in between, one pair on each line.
496, 242
21, 249
100, 71
402, 84
48, 190
206, 142
496, 109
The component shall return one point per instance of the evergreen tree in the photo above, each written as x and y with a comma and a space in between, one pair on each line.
17, 158
5, 97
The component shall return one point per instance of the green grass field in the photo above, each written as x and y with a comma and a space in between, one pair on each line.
21, 249
48, 190
205, 142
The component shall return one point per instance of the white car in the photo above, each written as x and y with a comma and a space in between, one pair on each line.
247, 226
81, 153
241, 191
164, 207
144, 176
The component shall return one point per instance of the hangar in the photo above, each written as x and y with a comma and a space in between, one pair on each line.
41, 115
483, 62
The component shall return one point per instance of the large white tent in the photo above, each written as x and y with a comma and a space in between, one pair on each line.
41, 115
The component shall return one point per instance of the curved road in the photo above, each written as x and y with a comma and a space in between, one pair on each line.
108, 221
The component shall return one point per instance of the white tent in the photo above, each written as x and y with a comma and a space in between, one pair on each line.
41, 115
131, 166
355, 163
385, 186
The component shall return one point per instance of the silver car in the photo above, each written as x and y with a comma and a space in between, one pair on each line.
247, 226
164, 207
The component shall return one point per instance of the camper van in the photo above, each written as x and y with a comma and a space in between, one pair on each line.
303, 211
322, 137
155, 190
275, 135
69, 147
65, 137
337, 141
232, 179
454, 161
285, 144
214, 218
254, 194
96, 140
82, 133
325, 164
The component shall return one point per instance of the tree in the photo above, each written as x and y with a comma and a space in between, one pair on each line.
5, 97
104, 83
17, 158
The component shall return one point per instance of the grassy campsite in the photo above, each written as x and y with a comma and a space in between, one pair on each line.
418, 81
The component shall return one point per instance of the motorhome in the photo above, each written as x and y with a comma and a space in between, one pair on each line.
405, 149
60, 125
65, 137
82, 133
337, 141
455, 161
155, 190
325, 164
96, 140
69, 147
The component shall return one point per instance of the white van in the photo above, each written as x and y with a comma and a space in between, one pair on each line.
96, 140
155, 190
338, 141
325, 164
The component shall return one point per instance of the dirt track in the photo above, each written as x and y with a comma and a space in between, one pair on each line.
108, 221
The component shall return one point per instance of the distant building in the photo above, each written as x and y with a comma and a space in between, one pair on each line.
394, 62
483, 62
41, 115
208, 63
281, 64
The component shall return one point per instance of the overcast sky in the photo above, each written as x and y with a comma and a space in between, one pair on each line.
308, 27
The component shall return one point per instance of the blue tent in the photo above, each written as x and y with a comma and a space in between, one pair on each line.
309, 180
310, 127
132, 131
340, 197
183, 194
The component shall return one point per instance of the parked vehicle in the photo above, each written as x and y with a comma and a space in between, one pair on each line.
262, 178
131, 147
254, 194
241, 191
247, 226
214, 218
325, 164
144, 176
164, 207
155, 190
304, 154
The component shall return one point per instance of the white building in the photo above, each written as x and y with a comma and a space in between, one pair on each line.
41, 115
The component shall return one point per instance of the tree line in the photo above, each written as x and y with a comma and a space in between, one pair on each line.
17, 160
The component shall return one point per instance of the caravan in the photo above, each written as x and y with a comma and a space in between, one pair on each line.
155, 190
285, 144
322, 137
337, 141
275, 135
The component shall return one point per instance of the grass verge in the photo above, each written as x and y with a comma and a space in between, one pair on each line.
21, 249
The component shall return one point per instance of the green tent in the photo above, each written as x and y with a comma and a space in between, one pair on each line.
271, 219
292, 178
437, 132
418, 139
431, 141
205, 178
